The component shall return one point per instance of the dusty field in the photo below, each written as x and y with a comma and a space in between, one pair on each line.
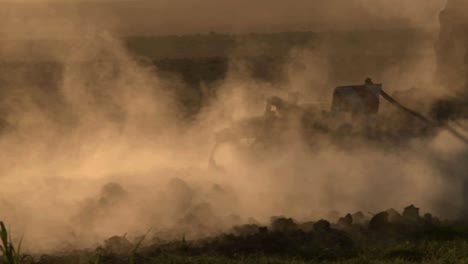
388, 237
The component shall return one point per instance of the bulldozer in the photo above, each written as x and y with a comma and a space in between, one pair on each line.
354, 114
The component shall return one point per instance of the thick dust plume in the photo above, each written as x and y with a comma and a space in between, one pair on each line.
95, 145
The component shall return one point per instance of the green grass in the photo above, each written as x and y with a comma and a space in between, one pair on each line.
10, 253
455, 251
426, 252
174, 259
97, 260
431, 249
133, 254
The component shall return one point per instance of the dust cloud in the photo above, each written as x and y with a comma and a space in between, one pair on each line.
99, 148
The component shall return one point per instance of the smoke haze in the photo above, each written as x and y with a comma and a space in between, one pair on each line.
103, 149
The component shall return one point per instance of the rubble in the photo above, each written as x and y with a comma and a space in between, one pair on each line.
395, 217
314, 239
411, 213
345, 221
307, 226
117, 245
359, 218
322, 226
379, 221
283, 225
246, 230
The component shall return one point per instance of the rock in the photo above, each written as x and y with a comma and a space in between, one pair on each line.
379, 221
283, 225
345, 221
118, 245
322, 226
411, 213
263, 230
359, 218
246, 230
395, 217
307, 226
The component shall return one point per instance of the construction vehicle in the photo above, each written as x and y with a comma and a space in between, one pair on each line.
353, 114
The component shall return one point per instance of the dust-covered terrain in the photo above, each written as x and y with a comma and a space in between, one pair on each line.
112, 126
384, 237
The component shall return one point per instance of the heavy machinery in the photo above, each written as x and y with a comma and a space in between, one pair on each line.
353, 114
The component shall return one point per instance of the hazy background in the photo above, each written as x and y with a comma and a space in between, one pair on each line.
145, 17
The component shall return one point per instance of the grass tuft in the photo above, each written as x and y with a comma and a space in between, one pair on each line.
10, 254
97, 260
137, 246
